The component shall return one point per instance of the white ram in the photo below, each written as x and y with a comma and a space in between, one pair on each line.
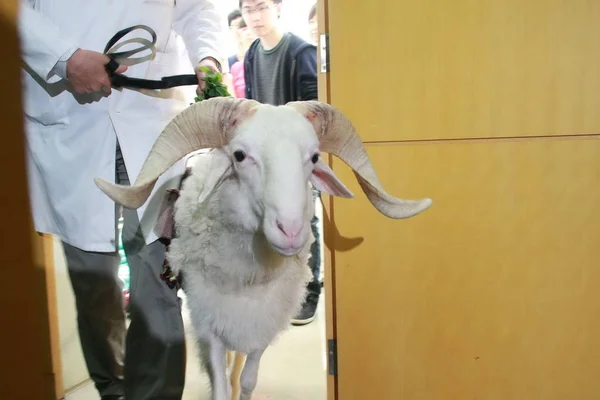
243, 216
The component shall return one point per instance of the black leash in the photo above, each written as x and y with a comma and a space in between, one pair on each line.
120, 80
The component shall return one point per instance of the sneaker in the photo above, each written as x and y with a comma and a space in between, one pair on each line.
308, 312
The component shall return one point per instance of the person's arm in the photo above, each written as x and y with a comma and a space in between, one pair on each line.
249, 90
306, 71
50, 54
44, 48
199, 24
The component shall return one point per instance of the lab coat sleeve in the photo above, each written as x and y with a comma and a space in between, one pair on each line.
199, 24
42, 44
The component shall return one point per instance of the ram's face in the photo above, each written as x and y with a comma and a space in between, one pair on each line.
273, 157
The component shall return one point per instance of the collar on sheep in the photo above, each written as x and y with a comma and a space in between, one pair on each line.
165, 227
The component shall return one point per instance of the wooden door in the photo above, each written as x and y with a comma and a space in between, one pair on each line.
492, 109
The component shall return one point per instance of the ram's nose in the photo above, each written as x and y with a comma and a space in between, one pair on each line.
290, 228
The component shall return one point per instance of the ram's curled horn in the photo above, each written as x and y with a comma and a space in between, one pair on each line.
206, 124
338, 136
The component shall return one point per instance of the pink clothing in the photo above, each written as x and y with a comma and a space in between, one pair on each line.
237, 74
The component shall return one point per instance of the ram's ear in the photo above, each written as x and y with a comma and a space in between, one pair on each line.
219, 168
325, 180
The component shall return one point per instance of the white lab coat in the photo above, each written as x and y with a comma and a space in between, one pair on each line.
71, 140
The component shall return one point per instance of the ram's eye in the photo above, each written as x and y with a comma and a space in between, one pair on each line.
239, 156
315, 158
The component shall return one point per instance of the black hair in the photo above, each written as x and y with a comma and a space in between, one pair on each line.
235, 14
312, 12
274, 2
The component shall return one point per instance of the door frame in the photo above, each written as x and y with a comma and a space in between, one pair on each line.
35, 353
328, 211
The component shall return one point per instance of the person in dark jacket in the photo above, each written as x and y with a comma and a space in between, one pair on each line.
280, 67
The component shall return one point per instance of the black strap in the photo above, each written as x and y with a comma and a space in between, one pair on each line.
120, 80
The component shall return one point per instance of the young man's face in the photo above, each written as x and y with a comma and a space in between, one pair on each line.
260, 15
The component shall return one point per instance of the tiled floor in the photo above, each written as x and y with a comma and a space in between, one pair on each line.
293, 368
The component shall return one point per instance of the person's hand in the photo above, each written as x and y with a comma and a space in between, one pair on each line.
210, 63
228, 81
86, 72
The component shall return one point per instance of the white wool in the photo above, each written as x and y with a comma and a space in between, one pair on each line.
238, 288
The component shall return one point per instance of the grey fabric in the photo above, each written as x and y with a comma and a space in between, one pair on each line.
314, 262
154, 363
100, 315
268, 79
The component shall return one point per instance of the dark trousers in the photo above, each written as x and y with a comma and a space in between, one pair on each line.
146, 361
314, 262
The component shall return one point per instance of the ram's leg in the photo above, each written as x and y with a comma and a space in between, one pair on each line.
235, 377
229, 358
250, 374
212, 352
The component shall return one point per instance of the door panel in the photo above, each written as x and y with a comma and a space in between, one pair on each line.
466, 68
27, 320
492, 293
